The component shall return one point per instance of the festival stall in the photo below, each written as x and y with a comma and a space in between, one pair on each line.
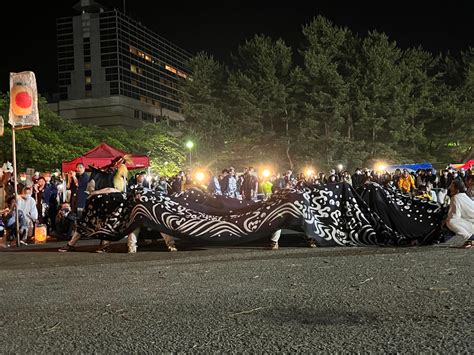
102, 155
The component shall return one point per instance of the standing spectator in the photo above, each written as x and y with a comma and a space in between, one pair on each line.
214, 186
357, 178
289, 179
250, 185
240, 182
77, 183
27, 204
279, 183
267, 189
232, 184
396, 176
420, 178
346, 177
224, 182
162, 185
333, 177
178, 183
430, 177
46, 201
443, 184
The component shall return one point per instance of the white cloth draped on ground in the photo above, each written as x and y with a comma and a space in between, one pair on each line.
332, 215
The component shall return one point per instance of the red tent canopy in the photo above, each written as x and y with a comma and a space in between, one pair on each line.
466, 165
102, 155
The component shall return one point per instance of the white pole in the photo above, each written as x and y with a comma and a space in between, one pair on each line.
16, 188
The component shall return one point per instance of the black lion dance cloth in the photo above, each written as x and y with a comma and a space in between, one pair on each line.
330, 215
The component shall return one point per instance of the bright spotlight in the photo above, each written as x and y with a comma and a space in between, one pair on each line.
309, 172
200, 176
380, 167
189, 144
340, 167
266, 173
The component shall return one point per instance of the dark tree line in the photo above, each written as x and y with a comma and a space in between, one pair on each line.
352, 100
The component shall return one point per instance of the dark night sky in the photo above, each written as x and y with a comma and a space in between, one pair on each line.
218, 29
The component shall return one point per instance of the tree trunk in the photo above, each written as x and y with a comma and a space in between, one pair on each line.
288, 154
350, 127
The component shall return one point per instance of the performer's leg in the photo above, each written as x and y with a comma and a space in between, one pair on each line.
132, 241
312, 243
169, 241
274, 240
463, 229
70, 246
104, 246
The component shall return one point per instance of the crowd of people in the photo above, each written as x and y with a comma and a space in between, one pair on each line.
249, 185
57, 203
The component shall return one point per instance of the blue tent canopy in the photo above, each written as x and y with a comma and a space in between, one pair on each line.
410, 167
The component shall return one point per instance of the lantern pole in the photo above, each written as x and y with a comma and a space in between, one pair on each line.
15, 182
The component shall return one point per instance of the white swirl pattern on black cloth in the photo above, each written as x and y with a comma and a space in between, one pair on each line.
332, 215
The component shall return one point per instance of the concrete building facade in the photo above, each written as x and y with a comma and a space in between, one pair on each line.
113, 71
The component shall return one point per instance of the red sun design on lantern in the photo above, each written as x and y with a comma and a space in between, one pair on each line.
21, 100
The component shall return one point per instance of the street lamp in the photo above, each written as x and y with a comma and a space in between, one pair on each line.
190, 145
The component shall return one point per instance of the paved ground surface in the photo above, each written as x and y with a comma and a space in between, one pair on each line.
235, 299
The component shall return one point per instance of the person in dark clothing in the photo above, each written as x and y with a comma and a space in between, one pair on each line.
279, 183
77, 183
177, 185
65, 223
357, 179
430, 177
139, 180
224, 182
250, 185
46, 201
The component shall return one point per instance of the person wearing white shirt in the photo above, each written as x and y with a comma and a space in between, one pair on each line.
27, 204
461, 214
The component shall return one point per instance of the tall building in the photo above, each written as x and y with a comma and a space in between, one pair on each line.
113, 71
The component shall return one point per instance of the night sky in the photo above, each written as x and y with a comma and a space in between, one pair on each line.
218, 29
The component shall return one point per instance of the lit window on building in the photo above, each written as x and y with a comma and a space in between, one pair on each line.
170, 68
88, 80
87, 65
88, 93
181, 74
133, 68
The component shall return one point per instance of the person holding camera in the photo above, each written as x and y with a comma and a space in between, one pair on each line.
65, 223
77, 183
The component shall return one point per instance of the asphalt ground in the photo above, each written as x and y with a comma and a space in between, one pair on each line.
236, 299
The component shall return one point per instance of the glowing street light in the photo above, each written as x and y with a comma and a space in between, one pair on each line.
190, 145
340, 167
